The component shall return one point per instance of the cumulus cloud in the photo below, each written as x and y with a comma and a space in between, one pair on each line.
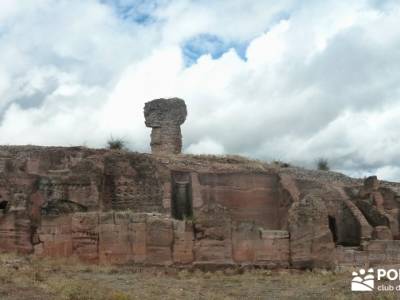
206, 146
285, 80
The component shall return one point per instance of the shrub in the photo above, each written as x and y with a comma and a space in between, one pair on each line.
116, 144
281, 164
322, 164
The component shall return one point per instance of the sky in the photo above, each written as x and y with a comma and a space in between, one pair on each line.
284, 80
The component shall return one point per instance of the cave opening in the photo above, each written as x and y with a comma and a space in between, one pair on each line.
3, 205
181, 197
181, 201
333, 228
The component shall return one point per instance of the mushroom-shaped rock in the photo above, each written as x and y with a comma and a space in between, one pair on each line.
165, 116
371, 183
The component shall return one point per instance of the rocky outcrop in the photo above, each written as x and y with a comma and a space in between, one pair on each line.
165, 116
311, 241
120, 207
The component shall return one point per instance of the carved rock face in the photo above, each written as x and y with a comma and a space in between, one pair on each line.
160, 112
311, 243
165, 116
120, 208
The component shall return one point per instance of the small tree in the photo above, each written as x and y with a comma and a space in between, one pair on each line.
116, 144
322, 164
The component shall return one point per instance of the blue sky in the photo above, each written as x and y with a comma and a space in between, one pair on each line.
276, 80
203, 44
139, 11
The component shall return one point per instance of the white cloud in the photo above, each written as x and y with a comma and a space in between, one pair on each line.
206, 146
390, 173
320, 78
269, 48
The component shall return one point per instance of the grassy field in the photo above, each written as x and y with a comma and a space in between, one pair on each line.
31, 278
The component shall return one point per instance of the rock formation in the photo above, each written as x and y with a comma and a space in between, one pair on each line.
311, 241
122, 207
165, 117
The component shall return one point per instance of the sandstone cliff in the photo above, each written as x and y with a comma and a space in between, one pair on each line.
123, 207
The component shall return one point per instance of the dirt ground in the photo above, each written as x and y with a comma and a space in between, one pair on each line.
27, 278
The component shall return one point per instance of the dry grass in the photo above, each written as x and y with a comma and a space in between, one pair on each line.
31, 278
234, 159
223, 162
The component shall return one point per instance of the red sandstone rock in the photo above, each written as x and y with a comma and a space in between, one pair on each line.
256, 246
382, 233
311, 242
117, 207
183, 242
85, 236
115, 238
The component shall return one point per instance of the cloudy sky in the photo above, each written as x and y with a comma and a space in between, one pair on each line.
276, 80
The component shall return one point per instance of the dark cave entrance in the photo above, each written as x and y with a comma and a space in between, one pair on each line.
181, 206
3, 205
333, 228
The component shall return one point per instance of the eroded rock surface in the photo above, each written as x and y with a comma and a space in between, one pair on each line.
165, 117
311, 240
120, 207
107, 206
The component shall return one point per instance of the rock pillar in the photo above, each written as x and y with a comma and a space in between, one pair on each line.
165, 117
